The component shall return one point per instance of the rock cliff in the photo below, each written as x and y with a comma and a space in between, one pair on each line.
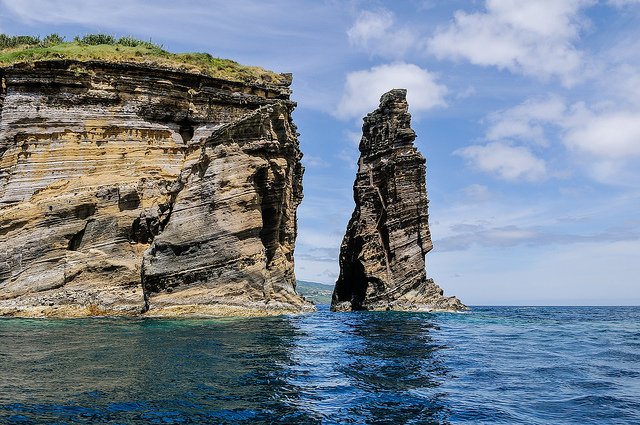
382, 254
129, 188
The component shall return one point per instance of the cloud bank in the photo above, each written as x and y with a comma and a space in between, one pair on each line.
533, 38
363, 89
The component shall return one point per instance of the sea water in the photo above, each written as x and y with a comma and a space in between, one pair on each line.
494, 365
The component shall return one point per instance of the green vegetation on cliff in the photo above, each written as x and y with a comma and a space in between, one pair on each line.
105, 47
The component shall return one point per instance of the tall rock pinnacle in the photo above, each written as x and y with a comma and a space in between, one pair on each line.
382, 254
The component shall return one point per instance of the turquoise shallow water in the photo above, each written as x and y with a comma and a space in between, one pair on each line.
529, 365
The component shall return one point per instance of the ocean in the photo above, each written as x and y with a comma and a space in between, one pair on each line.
492, 365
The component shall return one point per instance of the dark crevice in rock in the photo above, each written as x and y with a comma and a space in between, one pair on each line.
76, 240
150, 285
186, 130
269, 218
200, 168
144, 229
352, 270
165, 213
70, 277
145, 292
147, 228
383, 231
269, 185
84, 210
179, 250
129, 201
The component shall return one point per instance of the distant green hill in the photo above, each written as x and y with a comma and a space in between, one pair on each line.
317, 293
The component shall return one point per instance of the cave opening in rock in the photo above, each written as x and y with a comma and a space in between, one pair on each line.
186, 130
128, 201
269, 208
355, 283
76, 240
268, 231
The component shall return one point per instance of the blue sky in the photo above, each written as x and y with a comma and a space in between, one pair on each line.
528, 114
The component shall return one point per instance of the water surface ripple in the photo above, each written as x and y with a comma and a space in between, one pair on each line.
529, 365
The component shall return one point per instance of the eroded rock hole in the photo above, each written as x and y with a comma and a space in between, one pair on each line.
270, 191
83, 211
144, 229
186, 130
353, 274
179, 250
76, 240
129, 201
269, 216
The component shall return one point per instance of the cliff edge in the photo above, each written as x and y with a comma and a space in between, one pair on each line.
382, 254
129, 188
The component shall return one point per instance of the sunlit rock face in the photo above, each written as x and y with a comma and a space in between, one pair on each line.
128, 189
382, 254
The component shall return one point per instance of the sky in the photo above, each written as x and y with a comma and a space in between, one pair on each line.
528, 114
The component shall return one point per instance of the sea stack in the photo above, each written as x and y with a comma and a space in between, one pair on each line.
131, 188
382, 254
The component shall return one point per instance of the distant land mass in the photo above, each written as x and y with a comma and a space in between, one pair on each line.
317, 293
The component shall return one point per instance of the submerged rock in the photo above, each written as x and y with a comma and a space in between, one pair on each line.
382, 254
127, 188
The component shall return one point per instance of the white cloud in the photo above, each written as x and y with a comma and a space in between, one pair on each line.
507, 162
623, 82
603, 138
533, 38
363, 89
526, 121
373, 32
609, 134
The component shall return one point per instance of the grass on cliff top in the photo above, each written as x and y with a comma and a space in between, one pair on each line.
104, 47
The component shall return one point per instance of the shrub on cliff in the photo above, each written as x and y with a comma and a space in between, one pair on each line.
53, 39
134, 42
95, 39
7, 41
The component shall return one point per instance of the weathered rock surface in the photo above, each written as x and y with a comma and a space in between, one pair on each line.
382, 254
127, 189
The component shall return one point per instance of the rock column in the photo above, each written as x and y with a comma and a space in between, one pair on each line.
382, 255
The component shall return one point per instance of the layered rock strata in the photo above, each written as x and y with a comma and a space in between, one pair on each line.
382, 254
128, 189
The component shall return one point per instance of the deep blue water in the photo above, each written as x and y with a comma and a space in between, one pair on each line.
529, 365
